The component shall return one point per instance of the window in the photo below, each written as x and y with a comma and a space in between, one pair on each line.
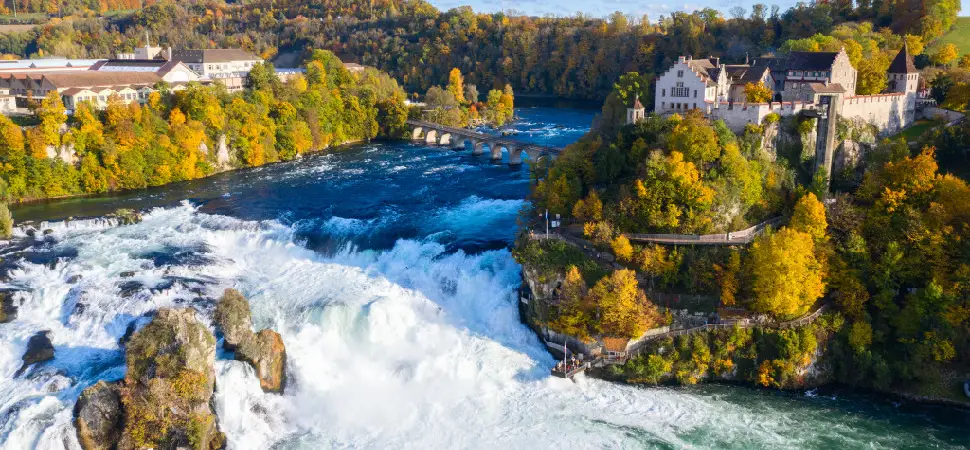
680, 74
663, 92
680, 90
663, 105
695, 105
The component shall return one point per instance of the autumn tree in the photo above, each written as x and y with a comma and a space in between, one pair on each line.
757, 93
51, 114
623, 308
786, 277
809, 217
572, 311
456, 85
695, 139
946, 54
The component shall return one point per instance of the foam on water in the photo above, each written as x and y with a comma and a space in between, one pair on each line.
412, 347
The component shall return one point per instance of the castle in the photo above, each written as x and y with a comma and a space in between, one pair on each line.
821, 85
800, 81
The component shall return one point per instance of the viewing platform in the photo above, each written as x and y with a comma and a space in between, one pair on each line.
569, 369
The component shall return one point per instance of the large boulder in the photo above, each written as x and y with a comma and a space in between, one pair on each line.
97, 416
264, 350
267, 354
8, 309
168, 387
233, 318
39, 349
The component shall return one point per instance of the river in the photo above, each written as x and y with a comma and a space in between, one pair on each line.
386, 268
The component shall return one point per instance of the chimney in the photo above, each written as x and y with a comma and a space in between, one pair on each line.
681, 59
716, 61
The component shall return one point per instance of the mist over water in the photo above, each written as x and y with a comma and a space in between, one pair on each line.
387, 271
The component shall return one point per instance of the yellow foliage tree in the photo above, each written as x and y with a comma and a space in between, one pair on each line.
622, 249
624, 310
456, 85
757, 93
728, 277
572, 317
809, 217
946, 54
589, 209
786, 276
695, 139
51, 114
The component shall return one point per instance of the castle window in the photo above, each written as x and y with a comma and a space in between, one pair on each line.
695, 93
680, 74
663, 92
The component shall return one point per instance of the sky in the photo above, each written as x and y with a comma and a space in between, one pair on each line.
599, 8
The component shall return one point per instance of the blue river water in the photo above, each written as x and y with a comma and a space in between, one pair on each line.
386, 268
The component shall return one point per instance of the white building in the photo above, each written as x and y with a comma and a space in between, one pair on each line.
807, 80
230, 66
690, 84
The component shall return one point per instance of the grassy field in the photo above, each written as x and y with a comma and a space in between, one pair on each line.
914, 132
959, 35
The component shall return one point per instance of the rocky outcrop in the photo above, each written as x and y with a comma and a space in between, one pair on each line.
267, 354
8, 309
222, 152
127, 216
264, 350
165, 398
98, 416
233, 318
39, 349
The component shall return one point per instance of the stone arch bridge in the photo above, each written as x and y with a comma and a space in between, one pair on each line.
459, 138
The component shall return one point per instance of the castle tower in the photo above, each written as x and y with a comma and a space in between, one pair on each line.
635, 113
904, 78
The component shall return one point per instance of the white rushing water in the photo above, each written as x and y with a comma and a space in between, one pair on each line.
411, 347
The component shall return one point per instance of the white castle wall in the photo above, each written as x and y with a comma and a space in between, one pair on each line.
888, 112
739, 115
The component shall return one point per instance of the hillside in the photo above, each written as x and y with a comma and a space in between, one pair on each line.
959, 35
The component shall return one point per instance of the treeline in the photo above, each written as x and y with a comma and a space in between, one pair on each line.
576, 57
178, 135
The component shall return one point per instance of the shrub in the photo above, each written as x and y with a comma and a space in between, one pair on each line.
6, 222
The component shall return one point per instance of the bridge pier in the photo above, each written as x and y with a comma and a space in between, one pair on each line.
515, 156
496, 151
479, 148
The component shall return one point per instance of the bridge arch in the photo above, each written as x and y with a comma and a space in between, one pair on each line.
431, 137
445, 138
479, 148
417, 133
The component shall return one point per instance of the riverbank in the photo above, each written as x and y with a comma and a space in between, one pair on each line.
47, 208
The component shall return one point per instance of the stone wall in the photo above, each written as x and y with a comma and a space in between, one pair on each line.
888, 112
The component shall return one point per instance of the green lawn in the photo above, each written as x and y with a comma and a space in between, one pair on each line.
959, 35
914, 132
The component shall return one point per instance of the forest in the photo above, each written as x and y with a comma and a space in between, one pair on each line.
176, 134
575, 57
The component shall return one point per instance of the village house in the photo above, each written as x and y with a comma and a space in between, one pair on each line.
168, 71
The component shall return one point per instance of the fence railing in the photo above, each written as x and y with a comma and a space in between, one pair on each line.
722, 325
735, 237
